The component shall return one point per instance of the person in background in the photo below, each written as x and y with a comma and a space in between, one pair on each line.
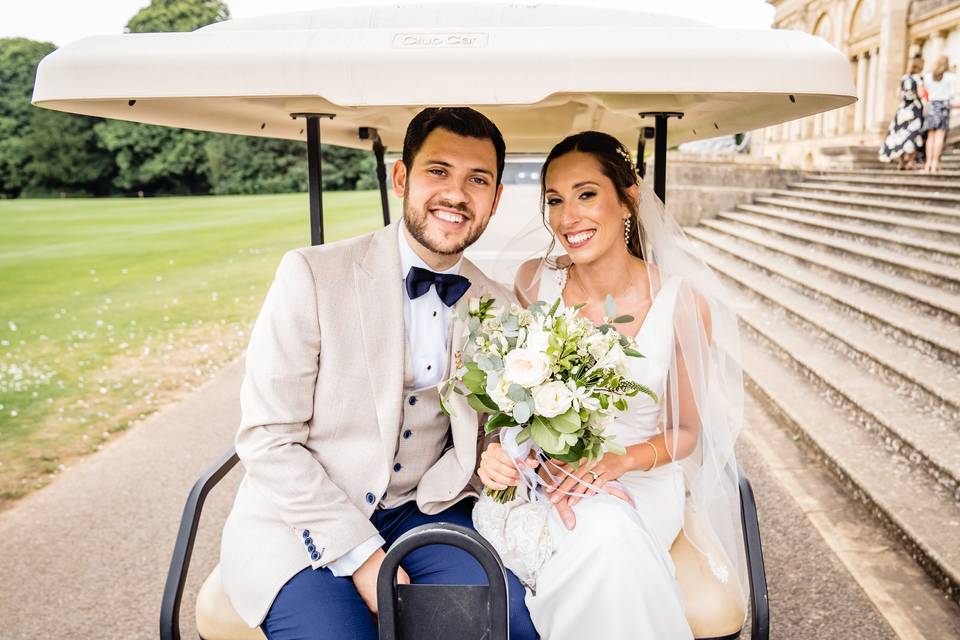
905, 135
940, 85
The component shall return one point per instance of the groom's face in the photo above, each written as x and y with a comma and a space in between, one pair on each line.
450, 191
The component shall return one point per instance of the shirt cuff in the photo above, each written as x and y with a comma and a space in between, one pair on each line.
345, 565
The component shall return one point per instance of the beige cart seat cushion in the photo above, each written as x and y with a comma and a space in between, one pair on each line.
711, 594
216, 617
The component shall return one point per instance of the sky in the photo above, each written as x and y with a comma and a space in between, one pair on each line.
62, 21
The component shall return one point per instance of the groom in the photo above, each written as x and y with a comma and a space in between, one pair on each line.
342, 437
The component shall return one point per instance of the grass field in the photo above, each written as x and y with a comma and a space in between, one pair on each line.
110, 308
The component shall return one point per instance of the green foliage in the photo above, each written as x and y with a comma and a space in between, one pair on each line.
239, 164
45, 152
177, 15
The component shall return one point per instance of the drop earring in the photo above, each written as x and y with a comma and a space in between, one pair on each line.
626, 231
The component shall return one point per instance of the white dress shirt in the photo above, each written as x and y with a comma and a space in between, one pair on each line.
427, 323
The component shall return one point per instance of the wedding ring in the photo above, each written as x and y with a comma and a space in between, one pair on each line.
594, 475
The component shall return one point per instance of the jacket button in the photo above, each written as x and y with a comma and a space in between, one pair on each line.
311, 548
397, 467
413, 400
315, 556
308, 541
407, 434
371, 498
306, 533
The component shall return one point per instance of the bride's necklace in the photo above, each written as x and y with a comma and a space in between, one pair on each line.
591, 302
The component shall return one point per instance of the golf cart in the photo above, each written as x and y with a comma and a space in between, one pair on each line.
348, 76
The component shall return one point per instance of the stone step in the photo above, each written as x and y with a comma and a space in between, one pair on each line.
929, 335
895, 240
920, 297
930, 442
912, 506
879, 192
917, 376
891, 170
925, 182
878, 205
920, 269
919, 228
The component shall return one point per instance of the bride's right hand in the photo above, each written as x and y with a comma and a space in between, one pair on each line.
497, 470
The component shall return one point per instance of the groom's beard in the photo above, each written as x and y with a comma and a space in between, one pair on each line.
416, 222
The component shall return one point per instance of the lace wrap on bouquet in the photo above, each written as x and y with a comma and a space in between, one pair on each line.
520, 532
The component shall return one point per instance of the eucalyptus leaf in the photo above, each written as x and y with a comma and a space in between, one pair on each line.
610, 306
546, 438
622, 319
522, 411
517, 393
633, 353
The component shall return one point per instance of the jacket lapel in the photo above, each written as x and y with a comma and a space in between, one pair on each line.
379, 289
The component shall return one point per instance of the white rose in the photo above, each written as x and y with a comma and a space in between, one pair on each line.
497, 390
538, 340
597, 345
526, 367
552, 399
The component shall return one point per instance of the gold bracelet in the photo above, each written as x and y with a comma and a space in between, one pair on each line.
656, 456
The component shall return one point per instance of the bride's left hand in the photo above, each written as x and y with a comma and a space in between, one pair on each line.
592, 477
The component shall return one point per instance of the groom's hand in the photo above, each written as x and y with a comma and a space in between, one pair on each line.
365, 578
497, 470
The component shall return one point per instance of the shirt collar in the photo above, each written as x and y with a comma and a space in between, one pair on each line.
409, 257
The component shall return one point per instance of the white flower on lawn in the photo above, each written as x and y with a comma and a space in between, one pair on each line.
552, 399
497, 390
526, 367
581, 397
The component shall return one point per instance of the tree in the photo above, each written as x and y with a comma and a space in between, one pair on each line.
157, 159
177, 15
242, 164
43, 151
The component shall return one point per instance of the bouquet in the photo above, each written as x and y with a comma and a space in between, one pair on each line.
550, 380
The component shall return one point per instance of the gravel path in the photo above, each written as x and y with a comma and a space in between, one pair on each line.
87, 556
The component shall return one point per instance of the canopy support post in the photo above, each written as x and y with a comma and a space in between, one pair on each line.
660, 149
314, 173
370, 133
646, 133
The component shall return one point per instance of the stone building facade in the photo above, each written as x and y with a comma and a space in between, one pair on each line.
878, 37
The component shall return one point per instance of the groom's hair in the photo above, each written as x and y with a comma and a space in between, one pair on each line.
463, 121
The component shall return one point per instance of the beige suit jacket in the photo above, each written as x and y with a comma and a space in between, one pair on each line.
321, 413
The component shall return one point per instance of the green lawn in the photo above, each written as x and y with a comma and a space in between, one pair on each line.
110, 308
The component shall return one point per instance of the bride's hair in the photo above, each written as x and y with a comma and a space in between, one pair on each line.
615, 163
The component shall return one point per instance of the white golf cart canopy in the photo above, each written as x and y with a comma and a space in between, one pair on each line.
540, 72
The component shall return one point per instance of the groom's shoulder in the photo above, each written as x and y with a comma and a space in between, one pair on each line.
335, 254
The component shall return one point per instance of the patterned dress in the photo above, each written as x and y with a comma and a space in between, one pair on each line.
905, 134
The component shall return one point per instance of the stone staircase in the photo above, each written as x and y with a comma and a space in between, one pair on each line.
848, 289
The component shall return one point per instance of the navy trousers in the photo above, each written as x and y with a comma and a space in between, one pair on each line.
317, 605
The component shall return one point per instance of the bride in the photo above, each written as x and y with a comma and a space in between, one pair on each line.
599, 565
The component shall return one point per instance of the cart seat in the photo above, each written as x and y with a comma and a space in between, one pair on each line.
715, 608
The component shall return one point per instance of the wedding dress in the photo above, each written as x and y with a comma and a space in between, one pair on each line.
611, 576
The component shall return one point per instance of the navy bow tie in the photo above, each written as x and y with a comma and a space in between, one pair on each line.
450, 287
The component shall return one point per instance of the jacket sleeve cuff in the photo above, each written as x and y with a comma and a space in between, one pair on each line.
345, 565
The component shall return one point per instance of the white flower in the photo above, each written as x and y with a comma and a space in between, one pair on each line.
581, 397
497, 390
615, 359
552, 399
526, 367
598, 344
538, 340
474, 305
